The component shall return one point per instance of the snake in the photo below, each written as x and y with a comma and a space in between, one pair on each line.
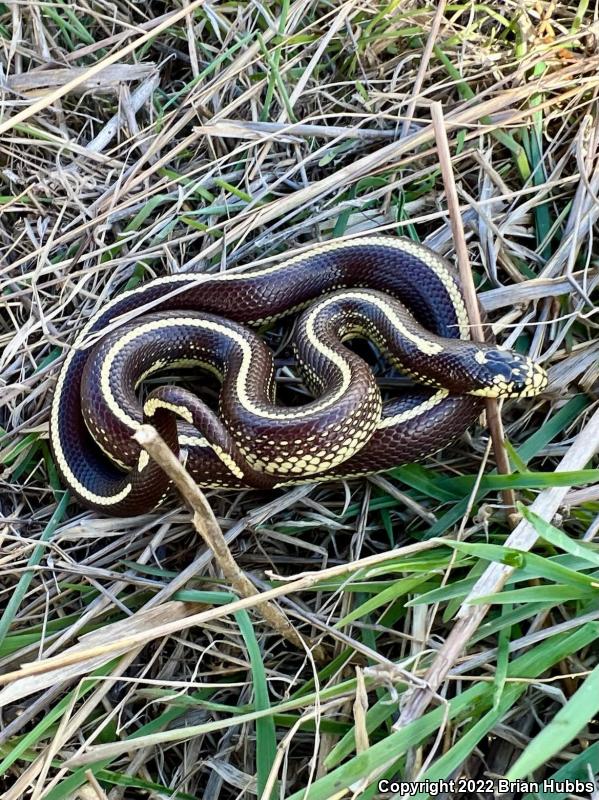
399, 294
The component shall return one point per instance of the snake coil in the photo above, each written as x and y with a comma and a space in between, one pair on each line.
400, 295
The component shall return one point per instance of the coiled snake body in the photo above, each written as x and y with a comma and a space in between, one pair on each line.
400, 295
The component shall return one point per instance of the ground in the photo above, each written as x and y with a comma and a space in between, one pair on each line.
143, 139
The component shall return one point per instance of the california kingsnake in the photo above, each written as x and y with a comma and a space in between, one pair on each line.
401, 295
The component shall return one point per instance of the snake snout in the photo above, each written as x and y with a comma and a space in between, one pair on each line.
509, 374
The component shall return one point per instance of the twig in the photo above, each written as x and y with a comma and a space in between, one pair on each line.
493, 416
206, 525
44, 79
249, 129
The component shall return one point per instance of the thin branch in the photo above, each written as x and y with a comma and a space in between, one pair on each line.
206, 525
453, 206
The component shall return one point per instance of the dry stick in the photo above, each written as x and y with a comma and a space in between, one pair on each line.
523, 537
453, 206
206, 525
250, 129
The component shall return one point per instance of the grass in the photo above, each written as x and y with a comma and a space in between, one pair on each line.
223, 135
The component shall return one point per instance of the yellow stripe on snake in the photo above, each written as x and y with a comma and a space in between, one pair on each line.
400, 295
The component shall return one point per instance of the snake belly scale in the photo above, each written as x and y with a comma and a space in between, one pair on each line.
402, 296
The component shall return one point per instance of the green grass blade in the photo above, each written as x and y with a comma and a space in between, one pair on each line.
266, 739
567, 723
550, 595
580, 768
558, 538
35, 558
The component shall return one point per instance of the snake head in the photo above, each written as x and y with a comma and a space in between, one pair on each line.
505, 373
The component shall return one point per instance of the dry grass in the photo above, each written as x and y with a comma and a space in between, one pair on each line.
146, 138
